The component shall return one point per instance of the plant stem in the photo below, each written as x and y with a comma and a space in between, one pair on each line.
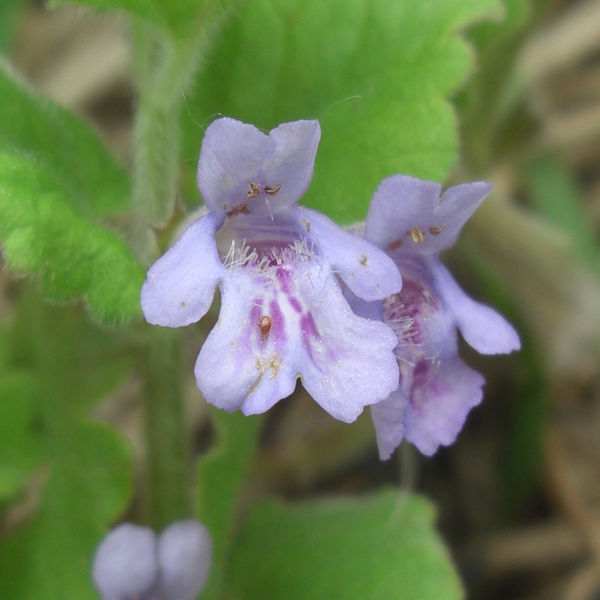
167, 495
165, 64
163, 68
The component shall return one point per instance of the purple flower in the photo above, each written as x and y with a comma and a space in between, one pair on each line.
131, 563
436, 389
283, 314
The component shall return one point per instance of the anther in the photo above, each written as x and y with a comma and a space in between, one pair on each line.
253, 190
437, 230
240, 209
394, 245
416, 235
272, 190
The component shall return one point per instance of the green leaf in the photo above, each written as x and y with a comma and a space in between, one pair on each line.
89, 485
376, 74
221, 475
381, 547
44, 234
64, 144
83, 473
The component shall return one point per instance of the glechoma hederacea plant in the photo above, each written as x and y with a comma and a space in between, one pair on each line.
363, 316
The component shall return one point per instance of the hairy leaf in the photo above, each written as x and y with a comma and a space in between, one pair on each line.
44, 234
31, 124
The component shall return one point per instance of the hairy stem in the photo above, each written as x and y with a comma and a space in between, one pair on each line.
165, 66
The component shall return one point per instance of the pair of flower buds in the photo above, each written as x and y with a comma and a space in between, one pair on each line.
363, 320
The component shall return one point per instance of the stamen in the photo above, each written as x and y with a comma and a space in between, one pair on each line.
394, 245
416, 235
253, 190
437, 230
240, 209
272, 190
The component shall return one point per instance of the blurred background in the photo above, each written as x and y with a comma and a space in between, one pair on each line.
519, 494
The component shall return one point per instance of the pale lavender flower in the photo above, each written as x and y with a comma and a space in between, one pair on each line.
132, 563
436, 389
283, 314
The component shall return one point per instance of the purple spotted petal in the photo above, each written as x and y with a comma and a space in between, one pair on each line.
291, 320
125, 564
241, 364
388, 419
180, 285
365, 269
441, 397
408, 217
184, 554
348, 361
243, 170
481, 326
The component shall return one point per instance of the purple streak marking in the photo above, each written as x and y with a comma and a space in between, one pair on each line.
309, 333
295, 303
277, 325
284, 276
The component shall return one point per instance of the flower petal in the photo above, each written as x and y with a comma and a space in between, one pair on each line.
481, 326
293, 163
407, 215
180, 285
366, 270
348, 362
240, 363
231, 156
453, 210
388, 419
184, 554
441, 397
242, 169
125, 564
399, 203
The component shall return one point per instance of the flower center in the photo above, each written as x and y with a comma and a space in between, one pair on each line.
418, 318
407, 311
262, 242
